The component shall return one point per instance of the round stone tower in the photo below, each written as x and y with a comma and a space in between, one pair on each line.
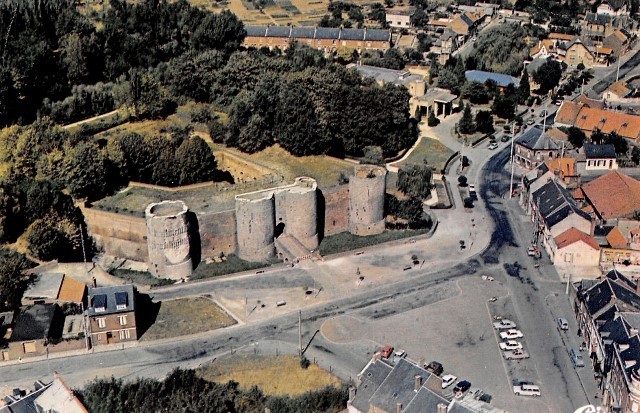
367, 190
302, 212
168, 240
255, 225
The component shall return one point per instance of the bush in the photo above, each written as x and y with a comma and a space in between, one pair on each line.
468, 202
432, 120
304, 362
462, 181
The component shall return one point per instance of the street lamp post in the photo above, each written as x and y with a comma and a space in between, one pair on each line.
513, 137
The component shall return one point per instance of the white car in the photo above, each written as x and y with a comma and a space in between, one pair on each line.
472, 188
448, 380
510, 345
504, 324
517, 354
511, 334
493, 146
526, 389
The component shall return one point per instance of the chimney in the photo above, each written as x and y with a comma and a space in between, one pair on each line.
398, 407
418, 382
442, 408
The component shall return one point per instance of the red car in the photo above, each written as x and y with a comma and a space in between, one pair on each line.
386, 351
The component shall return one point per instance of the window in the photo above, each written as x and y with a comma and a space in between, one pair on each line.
101, 322
123, 320
124, 335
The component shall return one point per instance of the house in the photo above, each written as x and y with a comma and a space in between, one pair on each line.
618, 91
501, 80
445, 45
607, 314
561, 37
613, 8
576, 253
52, 397
112, 314
597, 157
575, 52
588, 119
621, 247
617, 41
33, 327
54, 288
534, 147
553, 211
560, 137
544, 49
400, 18
465, 25
612, 196
322, 38
405, 387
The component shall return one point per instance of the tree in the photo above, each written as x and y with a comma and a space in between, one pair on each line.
504, 107
419, 19
635, 155
576, 137
195, 161
548, 76
46, 241
484, 121
12, 283
475, 92
146, 98
222, 31
415, 180
619, 143
372, 156
447, 79
465, 125
524, 89
85, 169
501, 49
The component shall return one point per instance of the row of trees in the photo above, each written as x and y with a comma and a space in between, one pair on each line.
184, 391
65, 48
483, 121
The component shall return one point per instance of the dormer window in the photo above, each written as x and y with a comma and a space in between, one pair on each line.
99, 303
624, 125
122, 300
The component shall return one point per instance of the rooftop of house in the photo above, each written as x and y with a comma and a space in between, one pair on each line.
613, 195
620, 88
52, 397
371, 378
437, 94
564, 166
43, 286
548, 44
72, 290
406, 11
572, 235
555, 204
482, 76
34, 322
111, 300
537, 140
604, 151
382, 74
561, 36
557, 135
319, 33
616, 239
609, 291
608, 121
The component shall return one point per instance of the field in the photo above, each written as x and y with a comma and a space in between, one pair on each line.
187, 316
275, 375
430, 149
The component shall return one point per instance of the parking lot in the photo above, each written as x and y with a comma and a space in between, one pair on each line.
451, 323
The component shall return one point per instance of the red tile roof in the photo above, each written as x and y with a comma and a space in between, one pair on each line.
572, 236
616, 239
71, 290
613, 195
589, 118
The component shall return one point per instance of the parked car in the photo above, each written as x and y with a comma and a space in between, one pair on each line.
516, 354
563, 323
448, 380
472, 188
531, 121
526, 389
576, 357
399, 354
434, 367
493, 146
504, 324
505, 137
558, 103
462, 386
510, 345
511, 334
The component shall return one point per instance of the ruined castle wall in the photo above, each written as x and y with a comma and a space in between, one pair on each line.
301, 216
366, 200
336, 209
255, 226
217, 233
168, 240
117, 234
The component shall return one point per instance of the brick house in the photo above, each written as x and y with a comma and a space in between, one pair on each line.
535, 147
112, 314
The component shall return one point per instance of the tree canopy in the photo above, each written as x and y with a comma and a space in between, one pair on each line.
501, 49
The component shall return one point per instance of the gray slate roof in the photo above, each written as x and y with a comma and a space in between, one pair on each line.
399, 386
555, 204
537, 140
425, 401
592, 151
482, 76
371, 378
319, 33
34, 322
256, 31
110, 297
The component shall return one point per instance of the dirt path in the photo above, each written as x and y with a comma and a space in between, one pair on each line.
81, 122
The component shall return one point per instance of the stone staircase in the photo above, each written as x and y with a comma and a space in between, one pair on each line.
291, 250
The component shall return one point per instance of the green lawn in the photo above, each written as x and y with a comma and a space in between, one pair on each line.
231, 265
430, 149
346, 241
140, 277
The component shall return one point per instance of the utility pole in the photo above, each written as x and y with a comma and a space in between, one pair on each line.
618, 70
300, 333
513, 138
86, 273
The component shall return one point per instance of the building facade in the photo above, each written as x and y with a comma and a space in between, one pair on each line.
112, 315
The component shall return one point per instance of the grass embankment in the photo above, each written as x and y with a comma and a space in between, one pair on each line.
230, 265
274, 375
140, 277
187, 316
430, 149
346, 241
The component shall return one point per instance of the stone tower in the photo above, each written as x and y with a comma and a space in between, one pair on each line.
367, 190
299, 211
168, 240
255, 223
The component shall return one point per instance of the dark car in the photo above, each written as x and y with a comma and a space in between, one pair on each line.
435, 367
462, 387
505, 137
